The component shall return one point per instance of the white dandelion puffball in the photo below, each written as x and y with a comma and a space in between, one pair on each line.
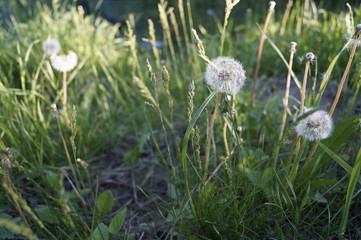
226, 75
316, 126
51, 46
64, 63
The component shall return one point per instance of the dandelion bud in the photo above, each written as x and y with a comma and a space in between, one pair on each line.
316, 126
272, 5
51, 46
226, 75
310, 56
64, 63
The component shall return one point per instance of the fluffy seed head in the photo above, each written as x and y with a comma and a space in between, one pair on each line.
51, 46
316, 126
64, 63
310, 56
358, 26
226, 75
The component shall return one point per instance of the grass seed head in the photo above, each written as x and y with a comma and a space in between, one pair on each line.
226, 75
316, 126
51, 46
64, 63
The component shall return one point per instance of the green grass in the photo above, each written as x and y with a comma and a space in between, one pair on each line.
140, 119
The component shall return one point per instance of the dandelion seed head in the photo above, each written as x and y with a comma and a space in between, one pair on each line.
358, 26
300, 59
325, 75
272, 5
51, 46
310, 56
226, 75
64, 63
293, 46
316, 126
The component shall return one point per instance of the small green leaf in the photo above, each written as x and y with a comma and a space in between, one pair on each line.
104, 203
318, 197
117, 222
101, 232
47, 215
55, 180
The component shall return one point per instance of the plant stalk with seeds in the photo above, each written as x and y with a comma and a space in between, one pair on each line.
229, 6
5, 161
56, 114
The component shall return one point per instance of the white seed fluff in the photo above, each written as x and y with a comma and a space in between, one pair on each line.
316, 126
226, 75
51, 46
64, 63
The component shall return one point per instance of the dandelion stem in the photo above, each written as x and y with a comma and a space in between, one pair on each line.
210, 132
303, 90
225, 138
302, 104
285, 17
65, 100
259, 55
344, 76
285, 101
